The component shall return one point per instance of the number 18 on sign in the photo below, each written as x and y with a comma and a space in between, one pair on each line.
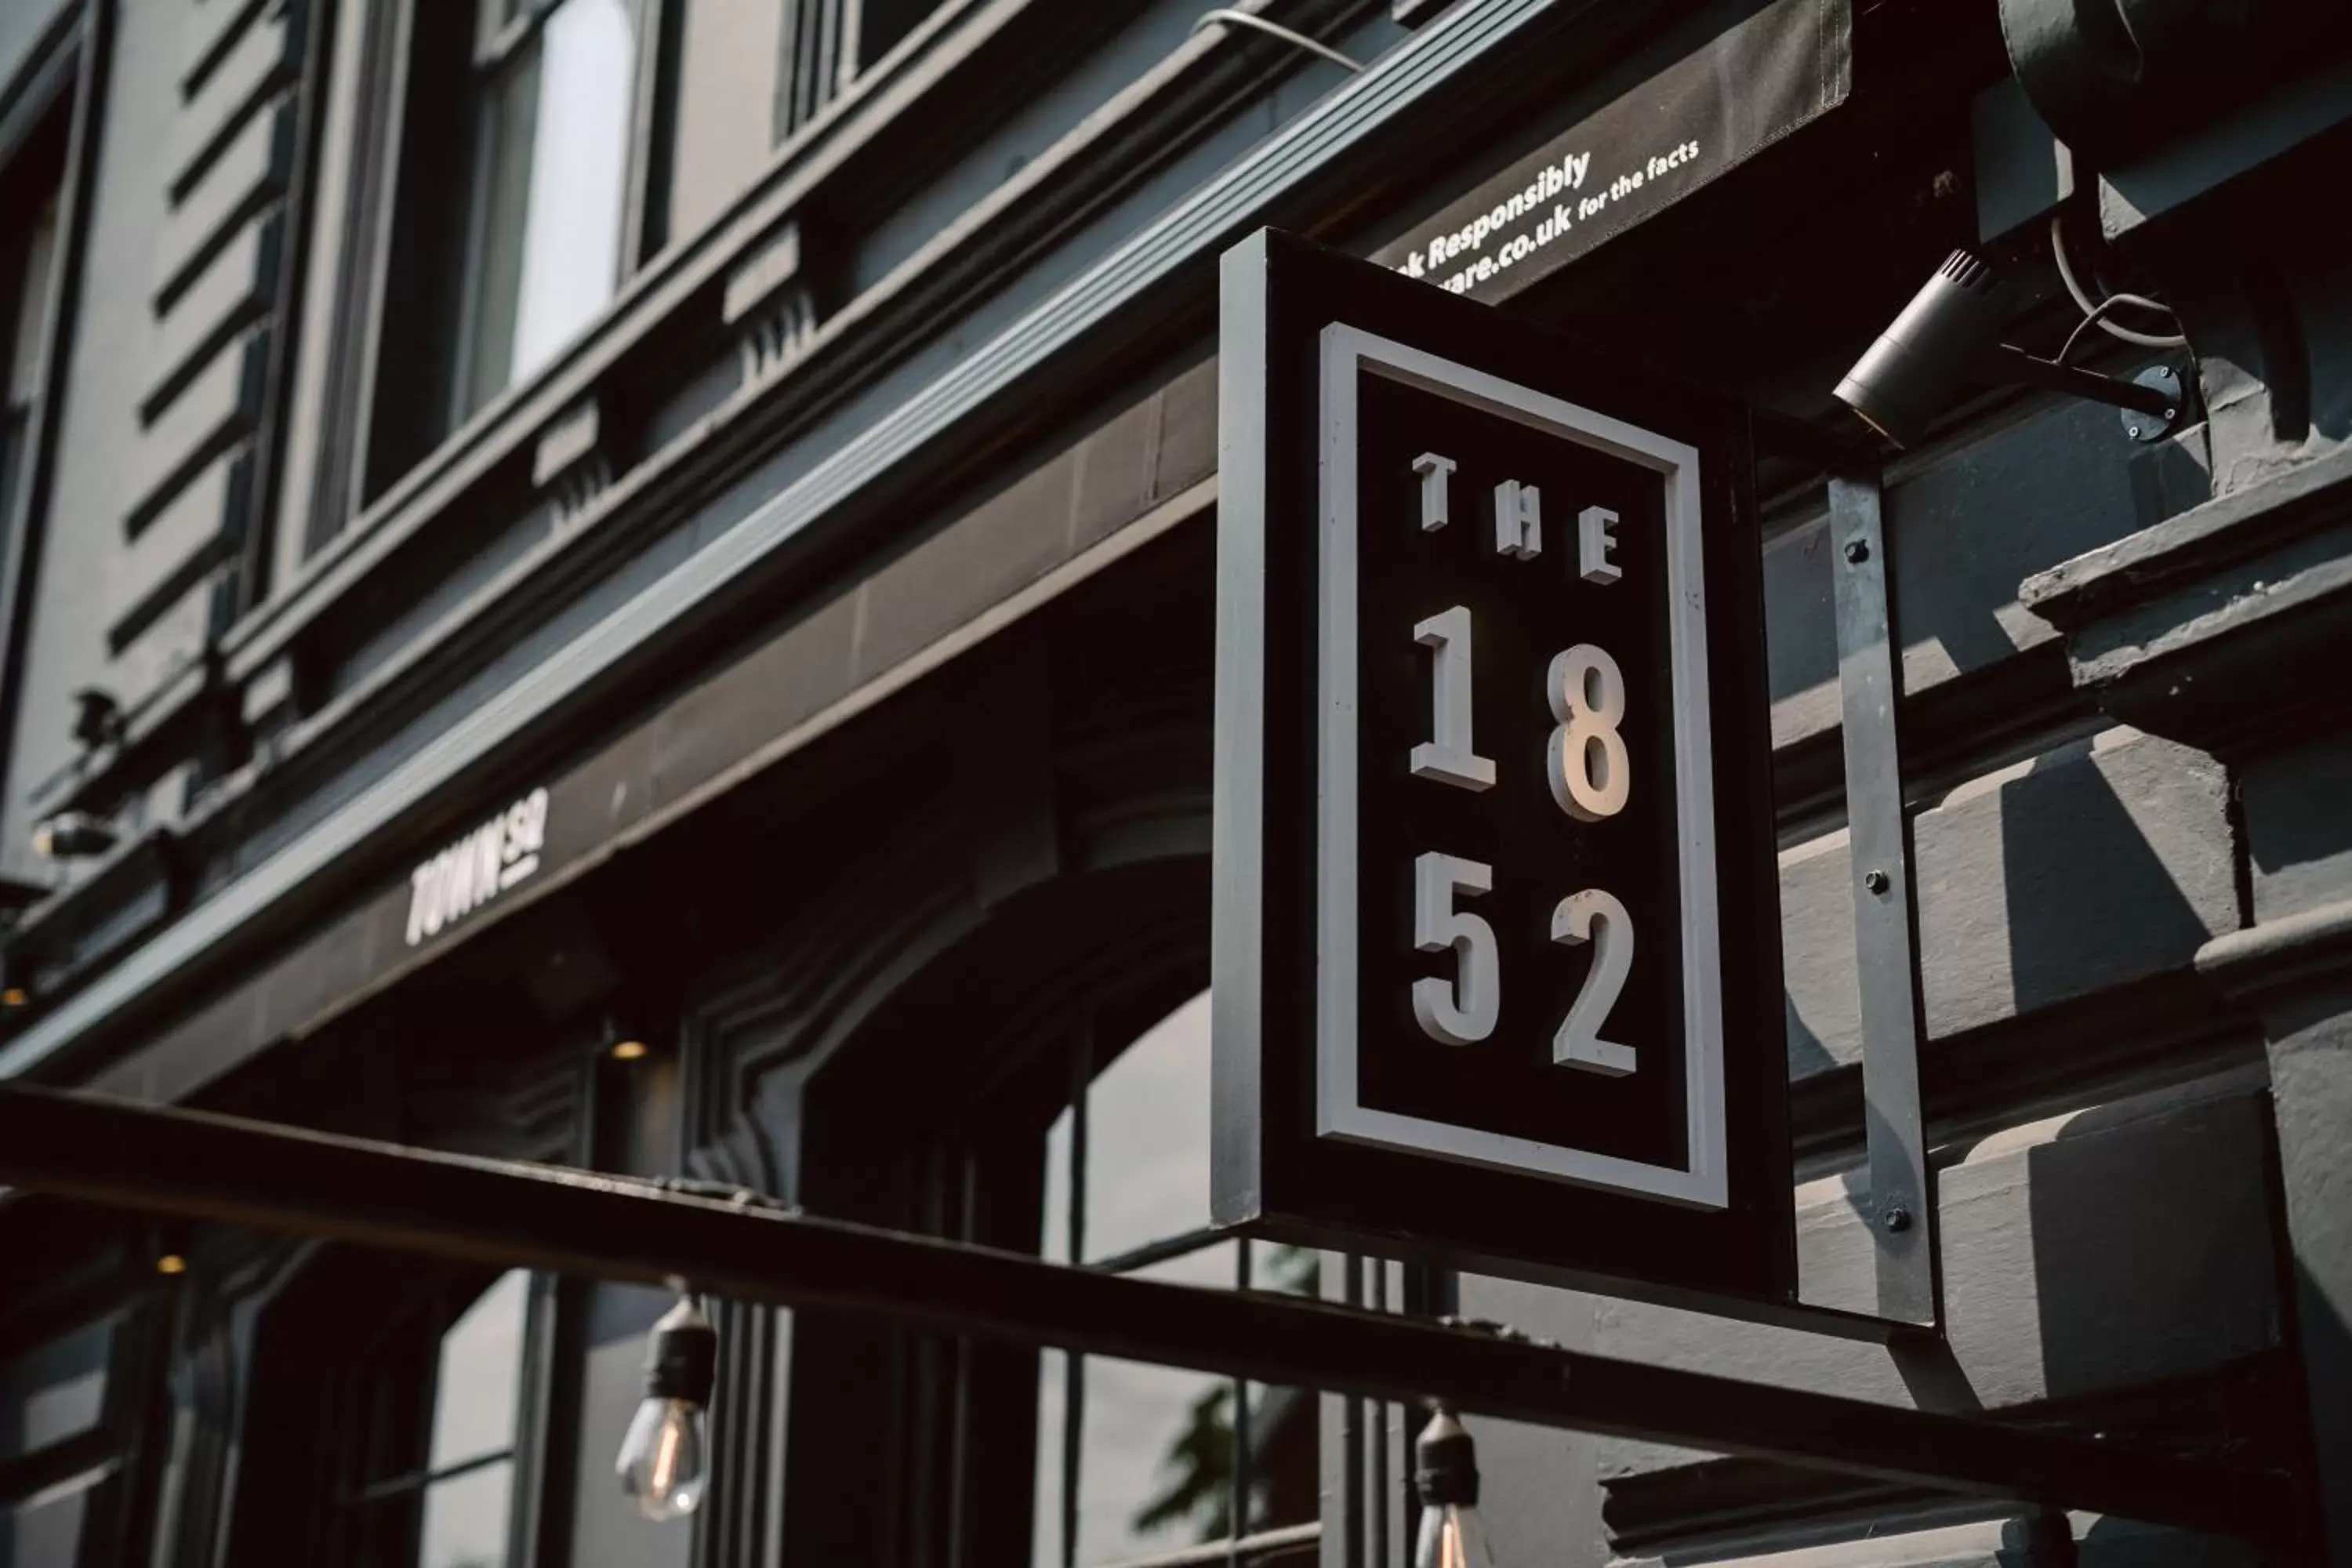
1496, 948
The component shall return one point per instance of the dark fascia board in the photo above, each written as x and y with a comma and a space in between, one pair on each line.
925, 69
1103, 308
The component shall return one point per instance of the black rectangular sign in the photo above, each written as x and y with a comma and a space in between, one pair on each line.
1496, 972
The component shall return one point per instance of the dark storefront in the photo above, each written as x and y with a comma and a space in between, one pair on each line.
746, 716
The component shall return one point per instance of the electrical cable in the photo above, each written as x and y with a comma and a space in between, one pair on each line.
1231, 17
2096, 312
2097, 318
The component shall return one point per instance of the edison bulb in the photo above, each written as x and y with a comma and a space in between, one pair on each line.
1452, 1536
664, 1459
1446, 1476
664, 1462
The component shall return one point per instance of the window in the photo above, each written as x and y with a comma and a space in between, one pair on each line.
1078, 1131
23, 307
436, 1455
1135, 1460
516, 214
55, 1456
554, 91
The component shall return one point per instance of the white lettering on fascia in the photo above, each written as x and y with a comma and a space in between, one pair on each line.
1554, 186
471, 872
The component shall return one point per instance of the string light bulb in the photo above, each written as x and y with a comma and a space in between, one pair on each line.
665, 1461
1445, 1475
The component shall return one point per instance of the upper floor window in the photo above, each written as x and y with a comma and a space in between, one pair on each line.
23, 309
554, 89
520, 203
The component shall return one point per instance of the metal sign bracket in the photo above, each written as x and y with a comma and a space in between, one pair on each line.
1901, 1204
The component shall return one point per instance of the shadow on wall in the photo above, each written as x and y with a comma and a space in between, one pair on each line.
2097, 865
2115, 862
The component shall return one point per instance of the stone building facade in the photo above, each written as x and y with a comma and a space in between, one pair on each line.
630, 583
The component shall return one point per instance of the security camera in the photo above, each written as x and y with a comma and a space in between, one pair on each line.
73, 835
1948, 337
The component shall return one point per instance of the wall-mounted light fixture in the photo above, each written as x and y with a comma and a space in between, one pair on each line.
73, 835
1949, 336
623, 1041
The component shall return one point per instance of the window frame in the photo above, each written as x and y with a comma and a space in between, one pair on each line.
1089, 1062
409, 246
351, 1530
46, 132
497, 46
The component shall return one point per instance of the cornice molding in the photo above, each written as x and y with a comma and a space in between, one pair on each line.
2210, 627
2283, 958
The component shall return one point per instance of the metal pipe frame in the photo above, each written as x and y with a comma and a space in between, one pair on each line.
514, 1216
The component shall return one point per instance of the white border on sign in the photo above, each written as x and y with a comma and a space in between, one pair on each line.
1339, 1111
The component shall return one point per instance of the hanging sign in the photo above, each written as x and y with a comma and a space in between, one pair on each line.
1497, 939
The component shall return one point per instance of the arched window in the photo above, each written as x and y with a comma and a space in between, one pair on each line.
1135, 1460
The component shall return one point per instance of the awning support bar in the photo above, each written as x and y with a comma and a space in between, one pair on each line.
514, 1216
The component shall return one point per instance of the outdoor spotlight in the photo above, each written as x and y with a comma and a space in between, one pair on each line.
1446, 1473
1949, 336
73, 835
1918, 366
665, 1461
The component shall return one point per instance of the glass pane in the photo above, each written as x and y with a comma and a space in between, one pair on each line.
1054, 1225
1155, 1465
571, 230
1053, 1408
509, 109
1148, 1137
55, 1393
20, 326
466, 1519
46, 1527
481, 1376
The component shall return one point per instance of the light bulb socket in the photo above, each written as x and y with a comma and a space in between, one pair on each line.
1445, 1463
682, 1355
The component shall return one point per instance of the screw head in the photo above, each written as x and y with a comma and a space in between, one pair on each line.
1857, 551
1895, 1217
1876, 880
